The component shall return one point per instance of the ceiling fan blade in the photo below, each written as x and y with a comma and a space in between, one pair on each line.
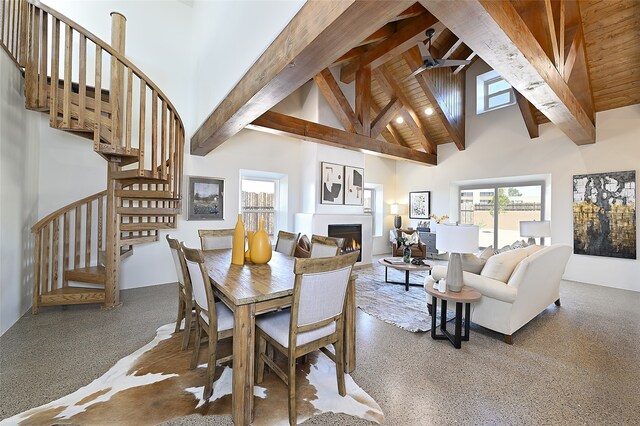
453, 63
424, 51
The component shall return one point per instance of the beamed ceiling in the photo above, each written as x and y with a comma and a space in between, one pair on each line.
565, 59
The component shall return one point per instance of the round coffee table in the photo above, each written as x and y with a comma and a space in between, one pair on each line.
465, 297
395, 263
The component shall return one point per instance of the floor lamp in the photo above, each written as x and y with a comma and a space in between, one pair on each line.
535, 229
456, 239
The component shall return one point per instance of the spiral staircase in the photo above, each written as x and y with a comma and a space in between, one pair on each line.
89, 88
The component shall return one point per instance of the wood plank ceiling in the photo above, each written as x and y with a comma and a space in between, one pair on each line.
594, 45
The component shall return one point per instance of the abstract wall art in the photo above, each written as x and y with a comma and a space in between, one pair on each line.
604, 214
353, 186
332, 183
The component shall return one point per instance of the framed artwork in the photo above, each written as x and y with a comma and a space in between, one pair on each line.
419, 204
353, 186
604, 214
206, 198
332, 183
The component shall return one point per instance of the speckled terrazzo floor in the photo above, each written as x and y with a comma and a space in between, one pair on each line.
577, 364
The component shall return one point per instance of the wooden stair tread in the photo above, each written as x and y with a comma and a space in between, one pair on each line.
72, 296
146, 226
139, 174
130, 241
140, 193
90, 274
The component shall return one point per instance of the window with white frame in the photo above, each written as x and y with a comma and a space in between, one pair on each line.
369, 200
259, 201
373, 199
493, 92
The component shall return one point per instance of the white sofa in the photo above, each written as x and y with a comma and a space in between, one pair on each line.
516, 286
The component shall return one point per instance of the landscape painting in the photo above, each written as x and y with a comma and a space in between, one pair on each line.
206, 199
604, 214
353, 186
332, 182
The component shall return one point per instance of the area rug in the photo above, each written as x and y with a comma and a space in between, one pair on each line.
154, 384
390, 302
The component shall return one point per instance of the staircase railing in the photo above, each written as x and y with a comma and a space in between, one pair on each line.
12, 29
72, 237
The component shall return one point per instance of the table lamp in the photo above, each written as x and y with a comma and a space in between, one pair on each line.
397, 220
535, 229
456, 239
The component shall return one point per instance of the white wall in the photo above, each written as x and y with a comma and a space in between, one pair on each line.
497, 145
19, 140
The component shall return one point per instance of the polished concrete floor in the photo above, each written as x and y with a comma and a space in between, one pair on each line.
577, 364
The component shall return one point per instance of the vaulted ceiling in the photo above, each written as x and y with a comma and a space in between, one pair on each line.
566, 60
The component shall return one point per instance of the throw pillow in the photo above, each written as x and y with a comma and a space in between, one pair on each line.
412, 239
501, 266
486, 253
502, 250
519, 244
472, 263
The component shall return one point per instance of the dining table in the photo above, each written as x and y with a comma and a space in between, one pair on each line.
250, 290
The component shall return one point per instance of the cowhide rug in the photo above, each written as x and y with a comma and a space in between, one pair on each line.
390, 302
154, 384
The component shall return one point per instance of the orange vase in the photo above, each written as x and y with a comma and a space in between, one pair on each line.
237, 250
247, 254
260, 246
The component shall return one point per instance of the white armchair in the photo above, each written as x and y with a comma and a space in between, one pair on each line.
532, 282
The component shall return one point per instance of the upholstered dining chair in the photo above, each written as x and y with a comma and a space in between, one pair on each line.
185, 293
286, 242
315, 320
325, 246
212, 239
214, 319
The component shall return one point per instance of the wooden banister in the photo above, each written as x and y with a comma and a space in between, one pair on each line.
48, 218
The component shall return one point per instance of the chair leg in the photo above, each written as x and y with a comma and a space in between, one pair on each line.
196, 346
557, 302
292, 389
262, 350
187, 325
339, 347
180, 312
508, 339
211, 366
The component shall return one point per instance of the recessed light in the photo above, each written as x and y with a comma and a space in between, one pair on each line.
428, 111
399, 120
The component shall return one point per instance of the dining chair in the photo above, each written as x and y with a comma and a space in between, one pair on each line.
286, 242
315, 320
215, 319
325, 246
211, 239
185, 293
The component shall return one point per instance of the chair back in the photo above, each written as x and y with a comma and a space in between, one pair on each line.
286, 242
325, 246
319, 290
202, 291
181, 266
212, 239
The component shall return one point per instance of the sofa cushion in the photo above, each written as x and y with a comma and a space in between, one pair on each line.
472, 263
501, 266
486, 253
532, 249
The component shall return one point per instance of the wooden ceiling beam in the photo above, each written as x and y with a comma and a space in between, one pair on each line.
445, 45
411, 31
410, 12
505, 43
390, 134
392, 89
312, 40
438, 99
528, 115
350, 55
285, 125
380, 34
385, 116
363, 99
337, 101
576, 45
470, 57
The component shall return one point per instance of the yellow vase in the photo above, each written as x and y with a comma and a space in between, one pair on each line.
247, 254
260, 246
237, 251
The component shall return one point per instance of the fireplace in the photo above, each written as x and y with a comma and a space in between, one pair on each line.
352, 235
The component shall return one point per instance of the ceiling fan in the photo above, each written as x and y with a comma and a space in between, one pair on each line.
430, 62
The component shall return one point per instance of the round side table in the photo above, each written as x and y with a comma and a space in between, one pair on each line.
465, 297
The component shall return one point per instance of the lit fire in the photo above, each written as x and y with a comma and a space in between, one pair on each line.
350, 246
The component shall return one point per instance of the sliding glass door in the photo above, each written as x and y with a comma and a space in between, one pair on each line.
498, 210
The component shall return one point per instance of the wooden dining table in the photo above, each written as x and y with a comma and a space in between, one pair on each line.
251, 290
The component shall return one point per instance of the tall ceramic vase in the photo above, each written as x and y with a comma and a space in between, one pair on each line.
247, 254
260, 246
237, 251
